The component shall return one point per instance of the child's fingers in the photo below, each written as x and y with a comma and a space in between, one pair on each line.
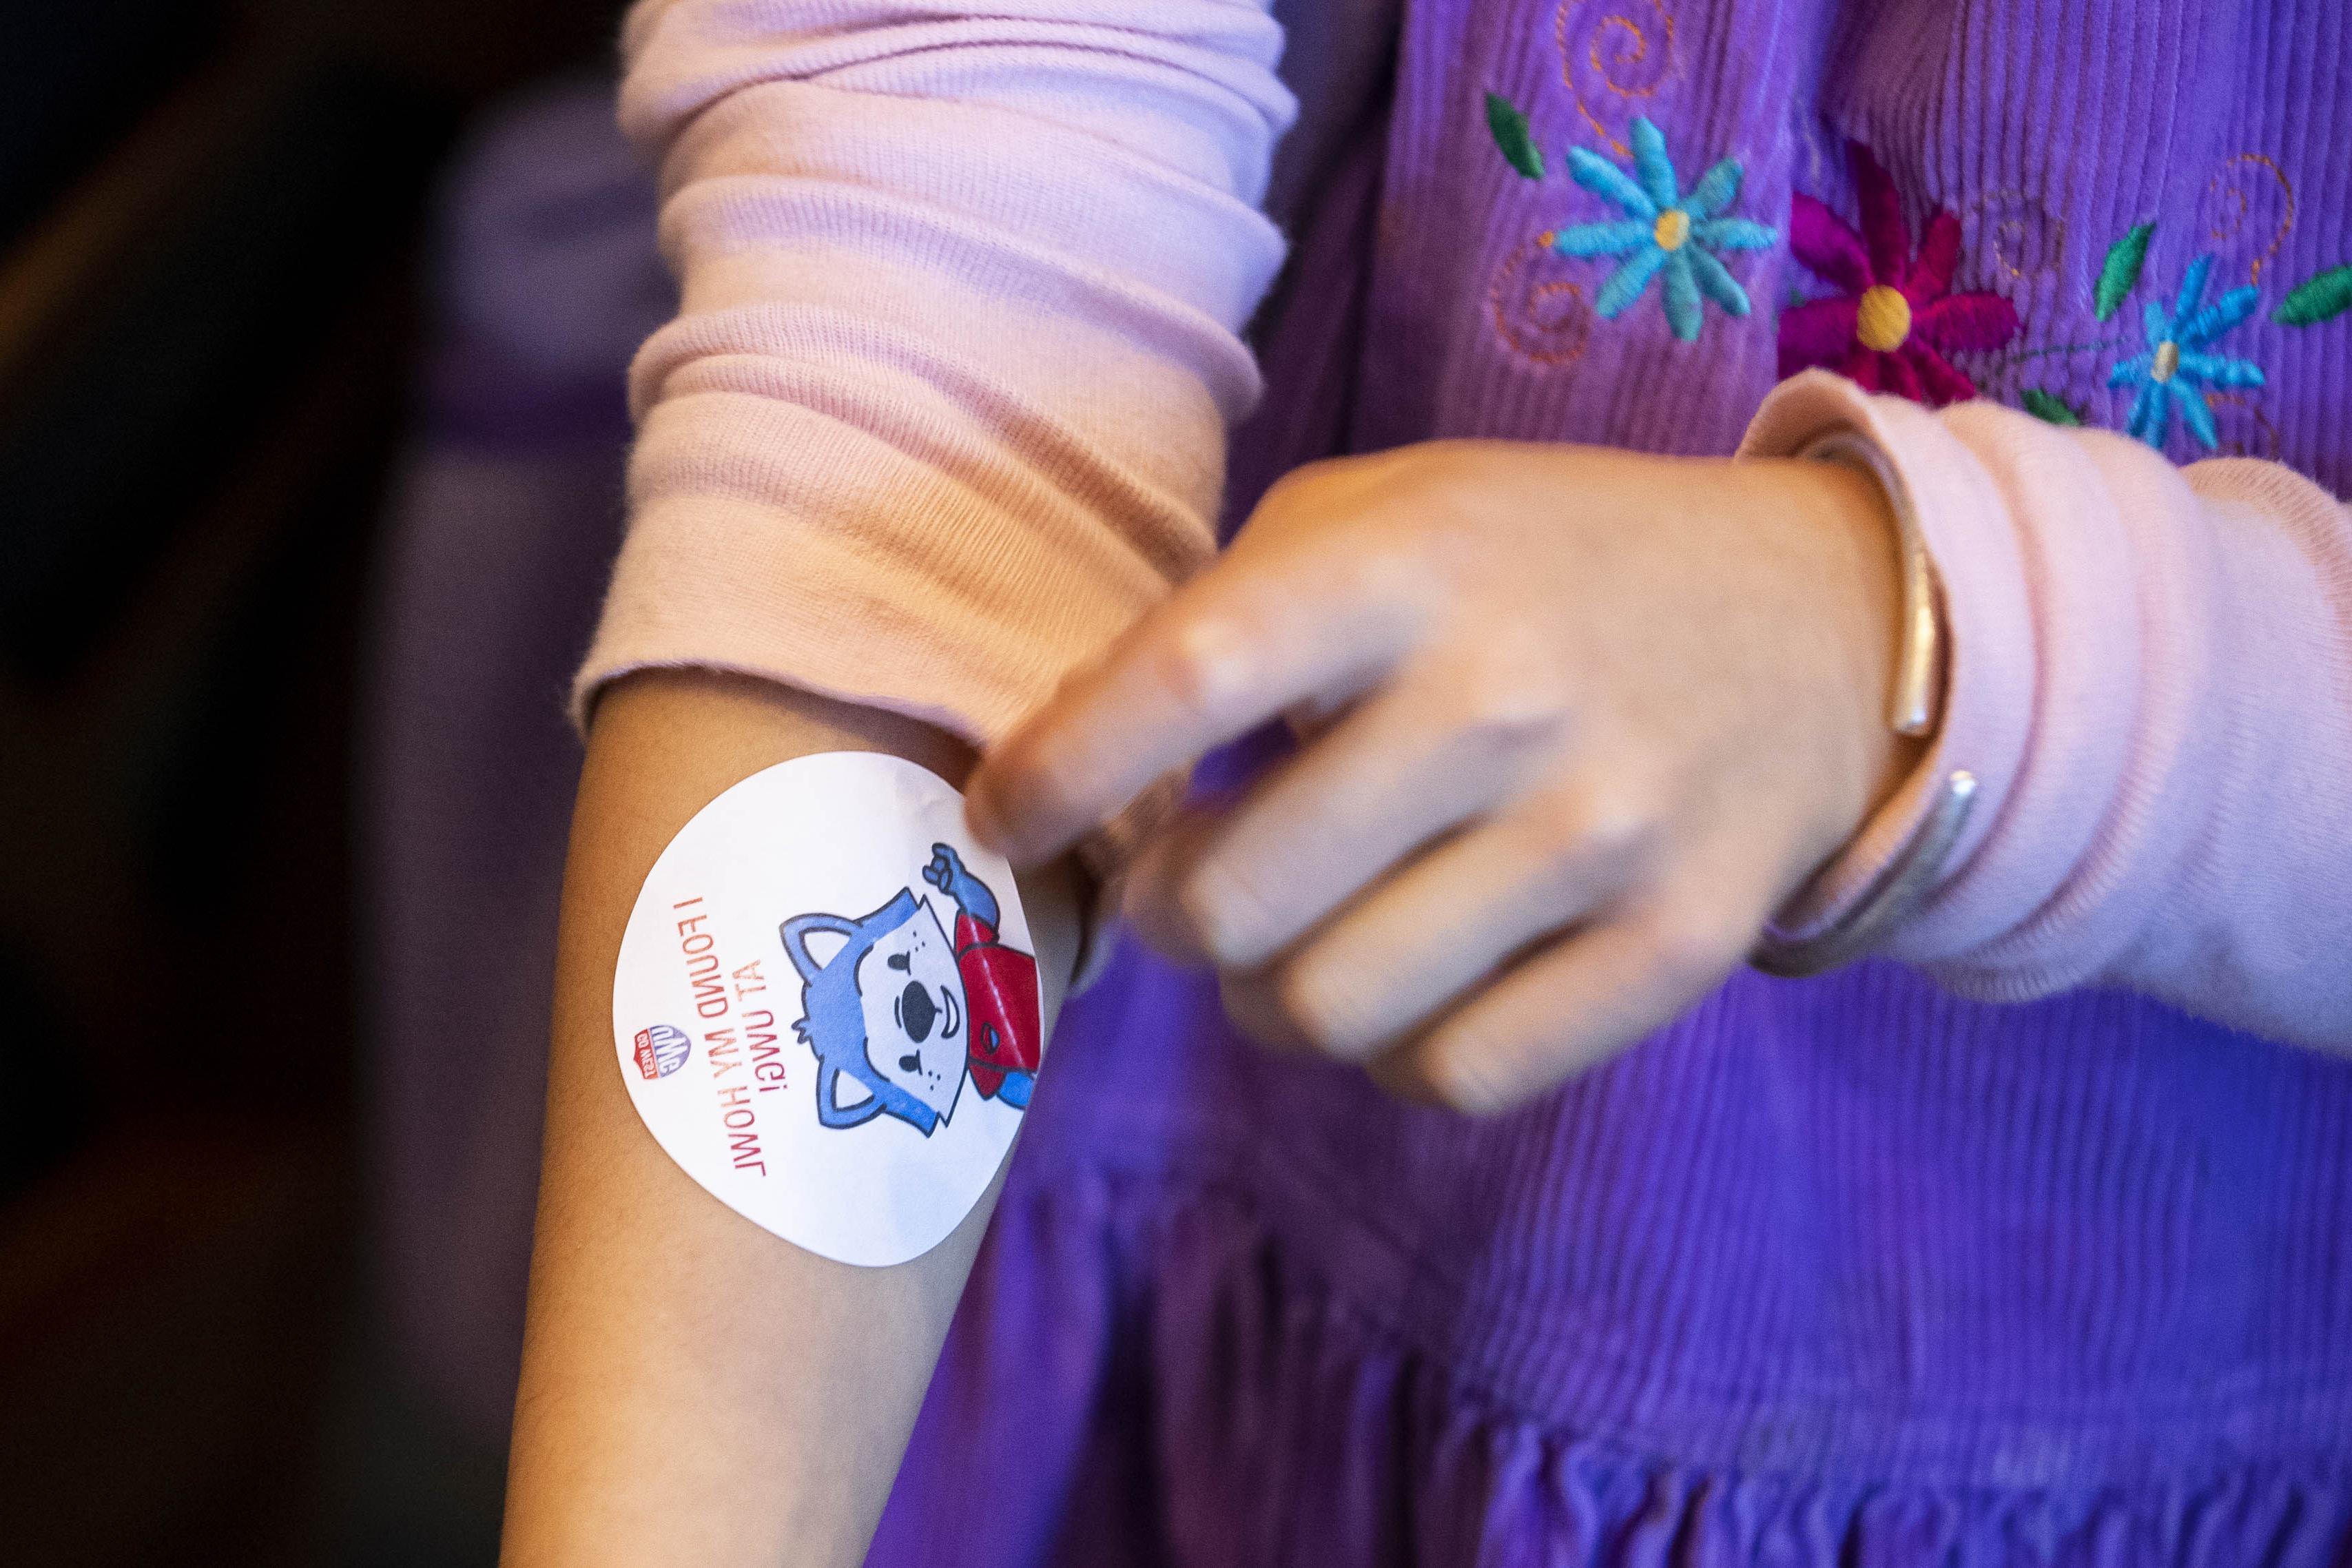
1391, 961
1413, 761
1255, 636
1569, 1007
1149, 905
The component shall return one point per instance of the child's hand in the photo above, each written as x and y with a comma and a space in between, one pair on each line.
1591, 718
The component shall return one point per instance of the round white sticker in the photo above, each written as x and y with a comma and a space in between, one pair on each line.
826, 1006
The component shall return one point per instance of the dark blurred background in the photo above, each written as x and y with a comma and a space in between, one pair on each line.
221, 344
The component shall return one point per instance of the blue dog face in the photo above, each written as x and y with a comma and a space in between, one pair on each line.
885, 1013
911, 995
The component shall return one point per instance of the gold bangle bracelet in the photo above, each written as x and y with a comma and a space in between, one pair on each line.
1914, 707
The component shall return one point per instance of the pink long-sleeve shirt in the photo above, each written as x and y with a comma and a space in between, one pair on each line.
946, 407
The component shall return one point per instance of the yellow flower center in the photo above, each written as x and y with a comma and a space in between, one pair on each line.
1885, 321
1672, 230
2168, 360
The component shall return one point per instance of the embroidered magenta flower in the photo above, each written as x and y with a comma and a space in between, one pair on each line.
1897, 318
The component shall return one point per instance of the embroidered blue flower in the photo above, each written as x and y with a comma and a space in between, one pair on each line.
1663, 231
2176, 369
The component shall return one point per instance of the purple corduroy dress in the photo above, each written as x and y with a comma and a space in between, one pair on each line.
1842, 1270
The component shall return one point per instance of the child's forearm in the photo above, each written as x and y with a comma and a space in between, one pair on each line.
694, 1389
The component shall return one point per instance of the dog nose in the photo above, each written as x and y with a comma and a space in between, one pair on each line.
916, 1011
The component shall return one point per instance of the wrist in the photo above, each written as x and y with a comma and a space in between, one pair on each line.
1847, 568
1889, 859
1897, 629
1904, 884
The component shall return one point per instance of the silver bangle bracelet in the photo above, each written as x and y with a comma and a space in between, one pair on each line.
1891, 899
1913, 709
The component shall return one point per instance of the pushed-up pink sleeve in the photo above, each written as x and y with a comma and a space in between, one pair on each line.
945, 404
2150, 678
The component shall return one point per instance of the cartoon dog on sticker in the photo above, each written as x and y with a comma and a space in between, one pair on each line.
898, 1013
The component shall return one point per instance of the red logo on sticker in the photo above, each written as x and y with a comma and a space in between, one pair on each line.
661, 1050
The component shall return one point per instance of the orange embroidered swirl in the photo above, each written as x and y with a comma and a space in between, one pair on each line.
2247, 209
1613, 48
1542, 318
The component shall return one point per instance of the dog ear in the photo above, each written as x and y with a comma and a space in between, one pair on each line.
830, 1112
800, 927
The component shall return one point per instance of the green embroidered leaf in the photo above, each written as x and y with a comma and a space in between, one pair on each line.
2048, 405
2319, 299
2116, 279
1511, 135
